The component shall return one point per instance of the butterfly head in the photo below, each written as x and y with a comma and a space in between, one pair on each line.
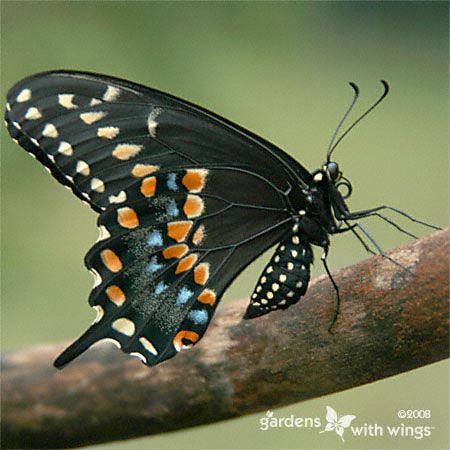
330, 177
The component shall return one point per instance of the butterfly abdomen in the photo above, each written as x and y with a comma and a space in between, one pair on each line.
285, 279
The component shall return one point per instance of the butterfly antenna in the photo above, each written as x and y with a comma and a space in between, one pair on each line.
385, 93
352, 104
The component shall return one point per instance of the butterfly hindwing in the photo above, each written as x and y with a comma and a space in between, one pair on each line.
163, 261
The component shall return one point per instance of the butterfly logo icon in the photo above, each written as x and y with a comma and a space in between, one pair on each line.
339, 424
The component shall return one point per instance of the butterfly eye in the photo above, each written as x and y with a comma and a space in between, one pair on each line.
333, 170
345, 188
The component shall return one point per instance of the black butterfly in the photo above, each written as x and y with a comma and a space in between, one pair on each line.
186, 200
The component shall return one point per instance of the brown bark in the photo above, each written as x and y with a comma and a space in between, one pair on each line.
390, 322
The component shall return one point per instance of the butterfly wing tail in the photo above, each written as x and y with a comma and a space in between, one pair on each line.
75, 349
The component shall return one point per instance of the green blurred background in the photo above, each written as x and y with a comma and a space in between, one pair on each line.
281, 70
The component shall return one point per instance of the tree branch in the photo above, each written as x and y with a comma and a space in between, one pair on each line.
390, 322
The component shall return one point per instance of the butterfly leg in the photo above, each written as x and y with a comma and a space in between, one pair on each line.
335, 286
365, 213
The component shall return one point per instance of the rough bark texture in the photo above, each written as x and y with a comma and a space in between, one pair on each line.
390, 322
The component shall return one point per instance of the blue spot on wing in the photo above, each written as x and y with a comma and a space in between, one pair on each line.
198, 316
184, 295
154, 239
160, 287
172, 182
153, 265
171, 208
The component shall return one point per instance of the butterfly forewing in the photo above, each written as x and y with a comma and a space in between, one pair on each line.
187, 200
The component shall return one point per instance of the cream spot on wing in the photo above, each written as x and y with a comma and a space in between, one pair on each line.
152, 124
97, 277
111, 94
91, 117
83, 168
51, 158
282, 278
126, 151
119, 198
124, 326
97, 185
65, 148
95, 102
34, 141
108, 132
103, 233
50, 131
17, 125
141, 170
66, 100
33, 114
69, 178
111, 341
8, 107
100, 313
139, 356
24, 96
148, 345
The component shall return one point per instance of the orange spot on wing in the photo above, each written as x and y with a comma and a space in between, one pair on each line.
191, 336
116, 295
194, 180
148, 186
199, 235
179, 230
175, 251
186, 263
141, 170
127, 217
111, 260
208, 297
201, 273
193, 206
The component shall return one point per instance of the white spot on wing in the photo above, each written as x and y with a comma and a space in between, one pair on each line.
50, 131
33, 114
83, 168
111, 94
103, 233
94, 102
24, 96
152, 124
126, 151
119, 198
108, 132
124, 326
91, 117
97, 277
139, 356
100, 313
111, 341
97, 185
65, 148
148, 345
66, 100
